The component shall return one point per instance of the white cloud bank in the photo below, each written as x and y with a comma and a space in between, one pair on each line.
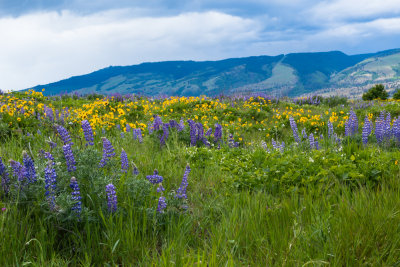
354, 9
45, 47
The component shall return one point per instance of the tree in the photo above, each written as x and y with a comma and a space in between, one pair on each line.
378, 91
396, 94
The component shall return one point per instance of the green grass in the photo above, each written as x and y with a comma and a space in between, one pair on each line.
246, 207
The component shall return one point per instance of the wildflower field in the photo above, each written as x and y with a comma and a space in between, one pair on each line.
245, 180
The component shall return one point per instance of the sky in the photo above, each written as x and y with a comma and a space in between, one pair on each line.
43, 41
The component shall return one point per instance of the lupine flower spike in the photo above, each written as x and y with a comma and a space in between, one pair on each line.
5, 180
19, 171
181, 192
29, 167
155, 178
76, 197
69, 157
124, 161
294, 129
50, 177
88, 132
108, 152
161, 204
111, 198
135, 170
65, 137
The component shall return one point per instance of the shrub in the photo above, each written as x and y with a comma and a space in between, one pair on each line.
396, 94
378, 91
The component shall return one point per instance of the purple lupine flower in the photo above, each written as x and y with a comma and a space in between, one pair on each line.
118, 127
88, 132
367, 130
160, 188
311, 140
330, 129
379, 127
137, 134
29, 167
316, 144
124, 161
200, 131
347, 130
205, 142
294, 129
69, 157
111, 198
61, 120
134, 134
135, 170
41, 152
108, 152
387, 126
52, 144
65, 137
57, 114
217, 132
5, 179
396, 129
156, 125
76, 197
181, 125
351, 125
122, 134
264, 146
282, 147
274, 145
161, 204
39, 132
128, 128
193, 132
49, 113
304, 133
49, 156
231, 141
155, 178
165, 134
50, 179
208, 132
353, 122
181, 192
19, 170
173, 124
337, 139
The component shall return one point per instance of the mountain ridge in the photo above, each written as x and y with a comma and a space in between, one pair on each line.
285, 74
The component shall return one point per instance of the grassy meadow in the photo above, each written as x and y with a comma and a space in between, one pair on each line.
198, 181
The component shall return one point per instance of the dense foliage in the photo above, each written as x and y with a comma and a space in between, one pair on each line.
376, 92
240, 180
396, 94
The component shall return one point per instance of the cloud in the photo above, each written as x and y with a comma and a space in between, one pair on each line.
45, 47
42, 42
345, 10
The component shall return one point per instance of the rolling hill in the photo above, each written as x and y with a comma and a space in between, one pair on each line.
292, 75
